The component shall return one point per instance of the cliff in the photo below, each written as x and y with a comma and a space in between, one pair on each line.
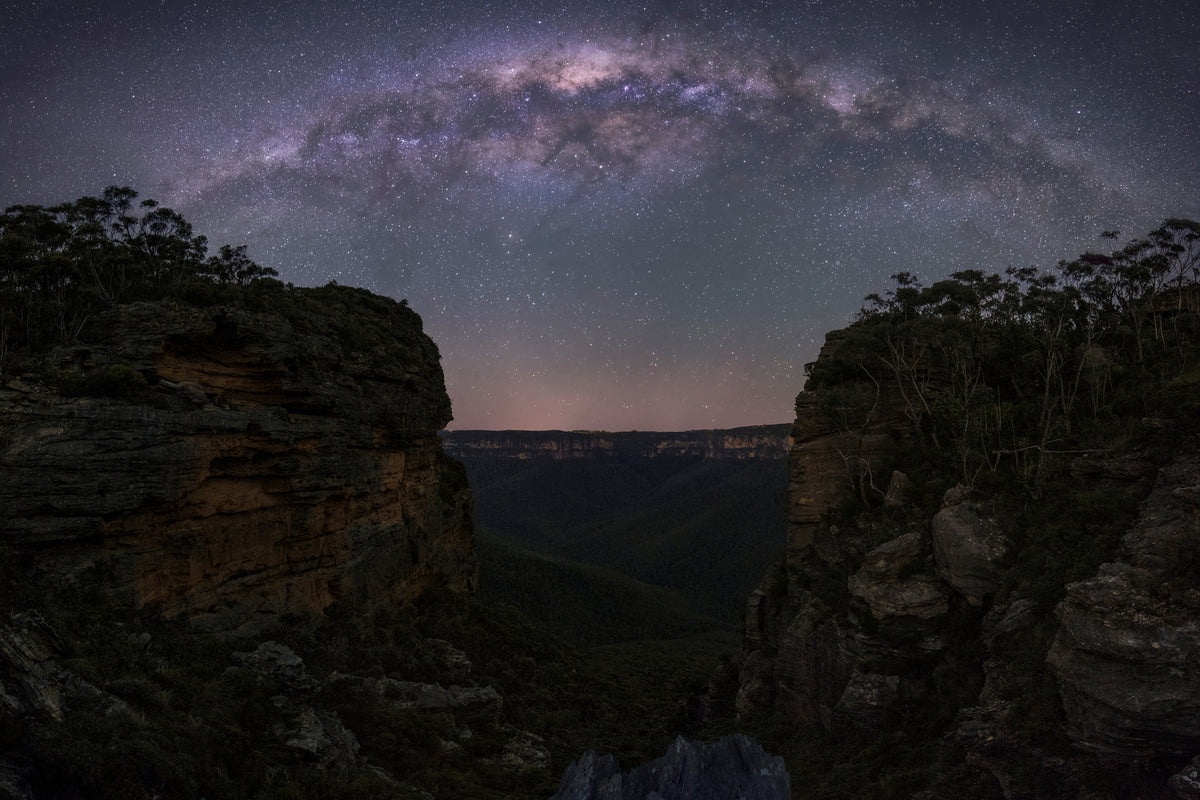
751, 442
234, 462
1021, 633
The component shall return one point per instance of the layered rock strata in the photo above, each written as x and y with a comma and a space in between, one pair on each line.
751, 442
1126, 649
244, 464
798, 655
950, 615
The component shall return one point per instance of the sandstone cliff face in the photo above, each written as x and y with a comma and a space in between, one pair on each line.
756, 441
1125, 652
839, 448
876, 618
798, 656
269, 463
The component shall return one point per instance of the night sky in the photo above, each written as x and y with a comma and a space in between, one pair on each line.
617, 216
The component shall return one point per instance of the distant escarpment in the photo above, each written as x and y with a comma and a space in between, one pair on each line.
266, 452
698, 514
754, 441
994, 529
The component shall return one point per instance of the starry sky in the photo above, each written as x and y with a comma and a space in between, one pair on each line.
617, 215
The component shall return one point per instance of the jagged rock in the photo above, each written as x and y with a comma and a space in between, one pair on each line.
312, 732
968, 550
310, 473
865, 706
320, 736
1186, 782
33, 681
1006, 620
524, 751
735, 768
279, 662
1128, 646
995, 746
1003, 625
880, 585
955, 495
810, 667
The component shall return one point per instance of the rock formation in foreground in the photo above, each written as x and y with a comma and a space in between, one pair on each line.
1043, 639
226, 519
229, 465
734, 768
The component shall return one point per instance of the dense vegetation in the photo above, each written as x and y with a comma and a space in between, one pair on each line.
62, 265
704, 529
177, 713
1006, 375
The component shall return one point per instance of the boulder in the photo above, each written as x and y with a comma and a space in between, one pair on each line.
968, 550
1186, 782
879, 584
894, 496
865, 706
33, 680
319, 736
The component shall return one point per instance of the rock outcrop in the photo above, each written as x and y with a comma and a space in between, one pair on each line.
229, 465
1127, 644
839, 448
798, 655
891, 614
969, 550
891, 584
734, 768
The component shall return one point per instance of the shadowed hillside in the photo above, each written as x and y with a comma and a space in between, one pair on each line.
691, 512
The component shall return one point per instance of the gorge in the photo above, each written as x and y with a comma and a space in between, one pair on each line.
239, 560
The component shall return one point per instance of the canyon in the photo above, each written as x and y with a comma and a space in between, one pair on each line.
274, 483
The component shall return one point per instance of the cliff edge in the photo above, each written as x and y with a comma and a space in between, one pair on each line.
989, 569
232, 462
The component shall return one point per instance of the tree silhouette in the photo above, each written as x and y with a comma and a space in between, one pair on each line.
61, 265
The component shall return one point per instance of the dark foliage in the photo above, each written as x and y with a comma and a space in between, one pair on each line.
1004, 377
704, 529
60, 266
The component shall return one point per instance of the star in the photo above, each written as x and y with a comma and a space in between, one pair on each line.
635, 216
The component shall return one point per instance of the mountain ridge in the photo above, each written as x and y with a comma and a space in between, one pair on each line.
748, 441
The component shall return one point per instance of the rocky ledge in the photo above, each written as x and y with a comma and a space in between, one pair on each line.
228, 464
1128, 638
